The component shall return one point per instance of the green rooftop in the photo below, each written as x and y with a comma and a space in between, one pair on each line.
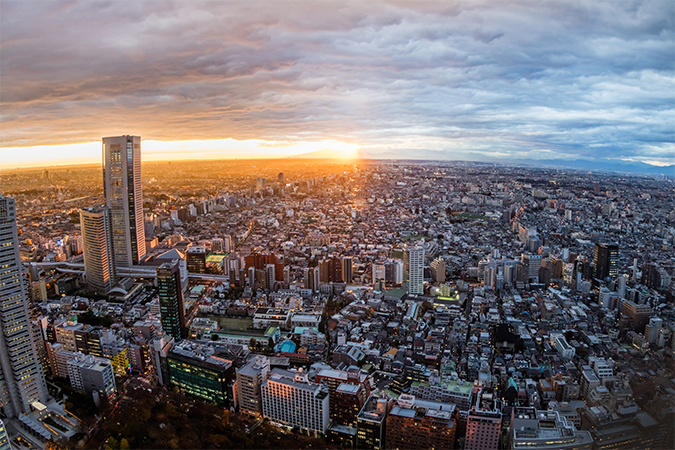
215, 258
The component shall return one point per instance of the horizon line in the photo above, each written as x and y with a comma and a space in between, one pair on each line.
531, 163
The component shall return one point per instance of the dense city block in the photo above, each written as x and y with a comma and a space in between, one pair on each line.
327, 303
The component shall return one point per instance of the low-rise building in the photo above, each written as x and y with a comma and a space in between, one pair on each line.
89, 373
542, 430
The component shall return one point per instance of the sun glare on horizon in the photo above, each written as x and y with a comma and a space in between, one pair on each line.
154, 150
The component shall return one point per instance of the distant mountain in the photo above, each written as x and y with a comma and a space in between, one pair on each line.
602, 166
437, 155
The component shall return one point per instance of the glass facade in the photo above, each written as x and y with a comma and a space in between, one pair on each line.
124, 196
206, 381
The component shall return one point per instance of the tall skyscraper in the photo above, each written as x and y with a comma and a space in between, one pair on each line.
347, 269
413, 264
171, 300
606, 261
311, 279
97, 242
123, 193
22, 379
270, 276
4, 439
196, 259
227, 243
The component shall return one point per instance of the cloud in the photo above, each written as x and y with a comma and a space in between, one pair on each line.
571, 78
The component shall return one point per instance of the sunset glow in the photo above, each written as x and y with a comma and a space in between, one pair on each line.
90, 152
536, 82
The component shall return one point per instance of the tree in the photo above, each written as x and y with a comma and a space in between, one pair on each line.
124, 444
226, 419
426, 306
111, 444
55, 445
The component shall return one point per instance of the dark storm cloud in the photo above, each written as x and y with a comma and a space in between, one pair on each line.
540, 79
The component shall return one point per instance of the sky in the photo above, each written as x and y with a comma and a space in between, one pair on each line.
441, 80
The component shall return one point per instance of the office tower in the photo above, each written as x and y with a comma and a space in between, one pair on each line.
123, 193
393, 271
196, 259
652, 329
378, 272
270, 276
171, 300
311, 279
654, 276
438, 270
4, 439
347, 269
605, 260
330, 270
249, 380
90, 373
483, 428
217, 245
289, 398
413, 263
324, 271
227, 243
371, 423
22, 379
259, 184
287, 277
280, 178
346, 403
200, 370
99, 266
335, 270
533, 264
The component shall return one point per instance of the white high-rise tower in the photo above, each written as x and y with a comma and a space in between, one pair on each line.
413, 265
124, 196
22, 381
